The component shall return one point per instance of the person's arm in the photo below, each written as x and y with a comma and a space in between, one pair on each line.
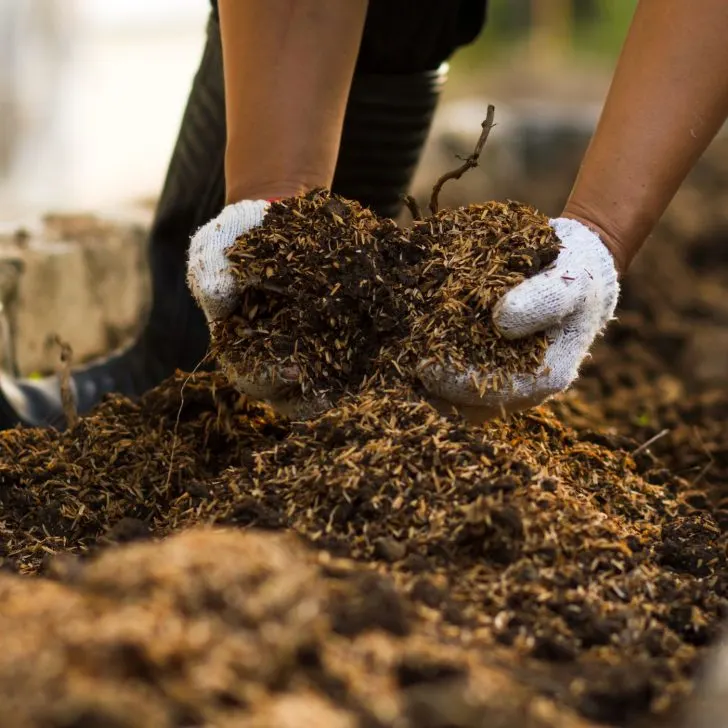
288, 66
668, 99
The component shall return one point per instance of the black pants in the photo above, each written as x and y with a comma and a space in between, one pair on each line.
408, 36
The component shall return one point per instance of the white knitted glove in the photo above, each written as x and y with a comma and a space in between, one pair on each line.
208, 268
571, 302
216, 291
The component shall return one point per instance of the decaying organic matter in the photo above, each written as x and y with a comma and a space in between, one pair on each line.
550, 559
323, 282
343, 297
194, 559
476, 255
222, 628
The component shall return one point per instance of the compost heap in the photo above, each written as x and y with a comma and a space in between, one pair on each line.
195, 560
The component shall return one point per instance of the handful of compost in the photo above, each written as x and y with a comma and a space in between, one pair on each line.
320, 296
491, 308
541, 328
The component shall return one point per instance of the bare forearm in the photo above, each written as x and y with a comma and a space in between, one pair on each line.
288, 68
668, 98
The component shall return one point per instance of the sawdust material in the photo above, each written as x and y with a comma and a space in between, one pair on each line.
476, 255
577, 572
547, 571
222, 628
340, 296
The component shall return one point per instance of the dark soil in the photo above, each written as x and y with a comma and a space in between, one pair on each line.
195, 560
549, 559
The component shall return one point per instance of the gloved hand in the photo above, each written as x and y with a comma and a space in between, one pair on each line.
216, 291
571, 302
208, 268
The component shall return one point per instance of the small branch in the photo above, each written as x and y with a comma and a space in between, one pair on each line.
175, 430
711, 461
412, 206
649, 442
68, 399
469, 163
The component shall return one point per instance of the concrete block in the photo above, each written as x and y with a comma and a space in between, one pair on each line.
82, 278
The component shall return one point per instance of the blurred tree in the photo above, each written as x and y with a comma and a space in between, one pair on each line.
552, 30
511, 19
602, 29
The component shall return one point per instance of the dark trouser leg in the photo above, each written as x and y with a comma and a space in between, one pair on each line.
397, 84
394, 93
175, 335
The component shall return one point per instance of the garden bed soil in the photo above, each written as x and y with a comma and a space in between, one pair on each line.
194, 559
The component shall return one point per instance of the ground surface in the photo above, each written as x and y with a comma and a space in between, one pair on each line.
192, 560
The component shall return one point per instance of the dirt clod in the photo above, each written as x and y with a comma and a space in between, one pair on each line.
342, 297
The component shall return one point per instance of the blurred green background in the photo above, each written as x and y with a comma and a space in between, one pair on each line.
550, 31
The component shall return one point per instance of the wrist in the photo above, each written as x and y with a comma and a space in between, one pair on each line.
252, 173
269, 191
621, 253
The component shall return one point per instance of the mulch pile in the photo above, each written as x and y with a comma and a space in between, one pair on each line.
342, 297
194, 559
563, 565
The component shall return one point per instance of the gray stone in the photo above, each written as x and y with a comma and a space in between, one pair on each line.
78, 277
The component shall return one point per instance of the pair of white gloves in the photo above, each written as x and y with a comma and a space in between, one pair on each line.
571, 302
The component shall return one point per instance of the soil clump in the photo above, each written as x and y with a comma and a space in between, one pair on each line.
343, 297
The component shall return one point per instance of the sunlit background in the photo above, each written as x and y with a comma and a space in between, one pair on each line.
91, 91
91, 94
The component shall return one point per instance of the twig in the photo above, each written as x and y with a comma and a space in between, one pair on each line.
68, 399
469, 163
412, 206
703, 472
179, 417
711, 461
649, 442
